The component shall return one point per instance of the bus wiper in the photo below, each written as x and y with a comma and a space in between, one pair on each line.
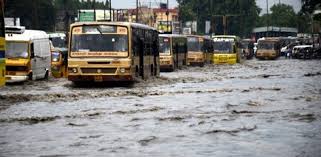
99, 30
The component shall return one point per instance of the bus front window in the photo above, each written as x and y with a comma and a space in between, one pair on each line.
223, 47
99, 43
194, 44
97, 40
164, 46
16, 50
266, 45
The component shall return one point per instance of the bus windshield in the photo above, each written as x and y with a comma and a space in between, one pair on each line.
266, 45
223, 47
99, 43
164, 46
245, 44
16, 49
194, 44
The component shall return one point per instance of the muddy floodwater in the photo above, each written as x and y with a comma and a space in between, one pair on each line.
259, 108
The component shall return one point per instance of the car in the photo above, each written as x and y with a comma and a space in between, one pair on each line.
302, 52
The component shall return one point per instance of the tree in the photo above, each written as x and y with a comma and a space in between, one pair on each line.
41, 14
241, 14
310, 5
282, 16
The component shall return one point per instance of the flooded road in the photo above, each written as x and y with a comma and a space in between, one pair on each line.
259, 108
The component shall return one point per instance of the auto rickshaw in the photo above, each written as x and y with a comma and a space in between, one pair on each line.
59, 61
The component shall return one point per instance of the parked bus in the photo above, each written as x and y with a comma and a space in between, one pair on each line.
59, 55
247, 46
195, 54
172, 51
112, 51
268, 48
226, 50
2, 46
208, 49
27, 54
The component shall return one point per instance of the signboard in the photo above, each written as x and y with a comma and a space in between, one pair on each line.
12, 21
86, 15
89, 15
164, 26
192, 25
187, 31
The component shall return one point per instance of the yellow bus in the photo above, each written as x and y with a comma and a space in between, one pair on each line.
226, 49
268, 48
2, 46
172, 51
195, 54
112, 51
208, 49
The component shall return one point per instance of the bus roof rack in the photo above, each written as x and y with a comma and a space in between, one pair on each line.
15, 29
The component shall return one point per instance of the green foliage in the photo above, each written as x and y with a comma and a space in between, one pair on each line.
282, 15
40, 14
310, 5
242, 14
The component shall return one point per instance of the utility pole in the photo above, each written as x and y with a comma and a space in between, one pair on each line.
136, 11
110, 10
167, 14
267, 18
94, 6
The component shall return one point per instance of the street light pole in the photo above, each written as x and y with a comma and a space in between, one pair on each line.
267, 18
110, 10
94, 6
136, 11
167, 13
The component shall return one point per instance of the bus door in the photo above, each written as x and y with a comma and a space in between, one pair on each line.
155, 52
141, 58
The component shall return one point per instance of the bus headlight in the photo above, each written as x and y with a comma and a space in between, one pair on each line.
72, 70
122, 70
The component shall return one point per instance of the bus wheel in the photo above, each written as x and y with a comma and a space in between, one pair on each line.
46, 75
30, 76
136, 71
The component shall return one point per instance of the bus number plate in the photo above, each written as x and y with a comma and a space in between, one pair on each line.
99, 78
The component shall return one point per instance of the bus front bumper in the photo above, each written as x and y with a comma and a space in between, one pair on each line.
14, 79
99, 78
166, 67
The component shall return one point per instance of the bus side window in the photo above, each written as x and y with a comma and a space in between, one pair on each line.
32, 52
135, 40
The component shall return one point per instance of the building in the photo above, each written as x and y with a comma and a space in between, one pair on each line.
273, 31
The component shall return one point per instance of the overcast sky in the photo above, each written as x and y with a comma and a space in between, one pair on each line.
172, 3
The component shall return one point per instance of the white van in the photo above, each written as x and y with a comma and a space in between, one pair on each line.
27, 54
